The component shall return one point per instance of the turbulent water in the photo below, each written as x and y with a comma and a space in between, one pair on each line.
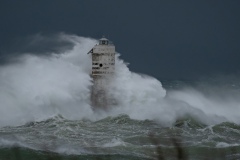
45, 111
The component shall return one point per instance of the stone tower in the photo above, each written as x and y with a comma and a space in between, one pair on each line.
103, 66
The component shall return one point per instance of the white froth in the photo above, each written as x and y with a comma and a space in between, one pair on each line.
37, 87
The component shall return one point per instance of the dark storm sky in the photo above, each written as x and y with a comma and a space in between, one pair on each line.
168, 39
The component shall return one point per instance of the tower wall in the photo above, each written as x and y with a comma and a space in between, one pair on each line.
103, 66
103, 60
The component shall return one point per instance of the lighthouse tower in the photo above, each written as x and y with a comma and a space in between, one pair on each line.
103, 66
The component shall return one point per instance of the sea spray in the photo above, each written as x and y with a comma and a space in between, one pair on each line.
37, 87
45, 111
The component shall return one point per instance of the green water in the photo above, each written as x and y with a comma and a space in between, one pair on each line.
119, 137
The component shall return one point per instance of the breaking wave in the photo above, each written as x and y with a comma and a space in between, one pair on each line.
35, 88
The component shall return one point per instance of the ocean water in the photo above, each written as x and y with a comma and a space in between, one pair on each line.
45, 111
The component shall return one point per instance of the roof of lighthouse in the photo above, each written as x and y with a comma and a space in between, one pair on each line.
103, 39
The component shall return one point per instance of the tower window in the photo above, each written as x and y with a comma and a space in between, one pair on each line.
104, 42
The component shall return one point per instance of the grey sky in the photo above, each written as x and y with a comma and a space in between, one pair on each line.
168, 39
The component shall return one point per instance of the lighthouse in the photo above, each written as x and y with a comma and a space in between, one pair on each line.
103, 66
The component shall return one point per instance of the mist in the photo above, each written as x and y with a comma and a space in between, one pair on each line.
35, 87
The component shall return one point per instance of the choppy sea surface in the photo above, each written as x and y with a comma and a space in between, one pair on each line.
120, 137
46, 113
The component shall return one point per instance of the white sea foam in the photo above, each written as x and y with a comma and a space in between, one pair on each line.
114, 142
37, 87
4, 143
225, 145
